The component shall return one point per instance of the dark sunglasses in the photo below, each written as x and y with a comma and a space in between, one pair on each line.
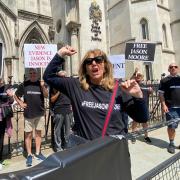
173, 67
98, 60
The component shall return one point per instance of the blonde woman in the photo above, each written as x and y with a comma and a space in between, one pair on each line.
91, 93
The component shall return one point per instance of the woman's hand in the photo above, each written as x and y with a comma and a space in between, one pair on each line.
66, 51
131, 87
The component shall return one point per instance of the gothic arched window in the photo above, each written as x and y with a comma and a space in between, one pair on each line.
144, 29
164, 33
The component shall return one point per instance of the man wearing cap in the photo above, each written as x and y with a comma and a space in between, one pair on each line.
169, 94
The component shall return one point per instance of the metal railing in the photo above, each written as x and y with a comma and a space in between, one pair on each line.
15, 144
17, 139
168, 170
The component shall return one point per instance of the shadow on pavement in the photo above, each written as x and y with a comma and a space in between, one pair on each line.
156, 142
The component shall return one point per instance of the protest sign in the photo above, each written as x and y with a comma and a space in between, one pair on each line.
118, 62
140, 51
38, 55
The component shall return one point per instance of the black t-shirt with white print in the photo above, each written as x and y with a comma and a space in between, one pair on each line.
170, 86
90, 107
33, 97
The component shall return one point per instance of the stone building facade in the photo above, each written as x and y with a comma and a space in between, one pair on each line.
22, 22
88, 24
156, 21
81, 24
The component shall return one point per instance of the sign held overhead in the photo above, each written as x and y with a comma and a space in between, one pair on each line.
140, 51
38, 55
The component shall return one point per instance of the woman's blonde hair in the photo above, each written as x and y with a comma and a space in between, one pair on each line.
107, 81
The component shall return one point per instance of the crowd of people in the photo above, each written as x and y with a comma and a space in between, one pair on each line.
85, 102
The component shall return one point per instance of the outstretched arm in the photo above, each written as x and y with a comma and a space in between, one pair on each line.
51, 75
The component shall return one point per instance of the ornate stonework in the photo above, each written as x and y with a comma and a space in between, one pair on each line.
20, 24
95, 14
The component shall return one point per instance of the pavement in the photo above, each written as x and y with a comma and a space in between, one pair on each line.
144, 157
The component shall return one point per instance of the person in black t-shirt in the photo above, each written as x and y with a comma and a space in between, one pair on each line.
33, 91
62, 117
169, 94
6, 99
146, 92
91, 93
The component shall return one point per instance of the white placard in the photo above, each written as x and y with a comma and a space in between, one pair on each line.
118, 62
38, 55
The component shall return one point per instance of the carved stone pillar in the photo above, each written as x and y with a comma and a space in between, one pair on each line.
51, 33
73, 28
8, 63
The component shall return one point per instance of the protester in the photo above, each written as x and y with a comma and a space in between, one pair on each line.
146, 92
62, 117
91, 93
169, 94
33, 91
6, 99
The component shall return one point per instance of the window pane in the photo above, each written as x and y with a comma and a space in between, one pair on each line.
144, 27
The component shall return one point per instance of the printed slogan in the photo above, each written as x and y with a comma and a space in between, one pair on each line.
38, 55
140, 51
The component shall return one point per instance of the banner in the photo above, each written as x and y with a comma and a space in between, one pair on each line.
1, 59
101, 159
118, 62
38, 55
140, 51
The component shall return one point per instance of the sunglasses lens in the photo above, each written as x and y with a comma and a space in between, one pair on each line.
98, 60
173, 67
89, 61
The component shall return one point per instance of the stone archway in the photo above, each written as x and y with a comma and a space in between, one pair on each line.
34, 34
5, 39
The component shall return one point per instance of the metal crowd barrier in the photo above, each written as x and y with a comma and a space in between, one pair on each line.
17, 140
168, 170
151, 128
15, 144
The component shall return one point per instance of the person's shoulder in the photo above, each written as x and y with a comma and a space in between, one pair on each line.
171, 78
166, 79
25, 83
178, 76
7, 86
